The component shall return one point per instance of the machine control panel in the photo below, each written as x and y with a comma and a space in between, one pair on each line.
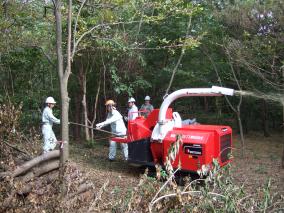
192, 149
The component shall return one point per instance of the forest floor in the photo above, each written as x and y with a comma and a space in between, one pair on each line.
262, 161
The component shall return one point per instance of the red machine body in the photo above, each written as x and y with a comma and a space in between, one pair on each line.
200, 143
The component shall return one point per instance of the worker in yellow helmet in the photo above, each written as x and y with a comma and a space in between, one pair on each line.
115, 120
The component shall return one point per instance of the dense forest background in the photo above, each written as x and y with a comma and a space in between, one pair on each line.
83, 52
132, 48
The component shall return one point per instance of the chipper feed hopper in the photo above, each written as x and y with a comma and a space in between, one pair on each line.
149, 139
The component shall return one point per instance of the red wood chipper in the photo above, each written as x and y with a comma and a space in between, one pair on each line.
149, 139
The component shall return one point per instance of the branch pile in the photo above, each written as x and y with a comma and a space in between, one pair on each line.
35, 185
29, 182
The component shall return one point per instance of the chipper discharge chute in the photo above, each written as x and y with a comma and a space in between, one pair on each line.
149, 139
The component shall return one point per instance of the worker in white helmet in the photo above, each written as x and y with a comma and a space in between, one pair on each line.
132, 109
146, 108
115, 120
47, 120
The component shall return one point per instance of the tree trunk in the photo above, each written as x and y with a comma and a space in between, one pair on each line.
85, 112
63, 76
283, 157
283, 132
238, 113
219, 109
64, 122
265, 119
205, 104
104, 75
78, 110
63, 79
95, 109
83, 87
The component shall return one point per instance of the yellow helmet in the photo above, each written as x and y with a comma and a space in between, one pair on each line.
110, 102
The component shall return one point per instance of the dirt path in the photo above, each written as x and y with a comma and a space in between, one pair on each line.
94, 160
262, 162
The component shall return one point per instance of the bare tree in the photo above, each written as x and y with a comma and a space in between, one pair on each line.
63, 79
82, 77
95, 109
283, 118
236, 109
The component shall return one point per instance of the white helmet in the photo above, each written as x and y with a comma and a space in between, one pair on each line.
147, 98
131, 100
50, 100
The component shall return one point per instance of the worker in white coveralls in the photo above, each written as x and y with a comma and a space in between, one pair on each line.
132, 109
48, 119
146, 108
114, 119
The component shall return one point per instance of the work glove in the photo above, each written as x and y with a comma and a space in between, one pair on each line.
125, 118
99, 125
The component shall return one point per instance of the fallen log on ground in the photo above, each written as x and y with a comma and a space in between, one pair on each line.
38, 187
30, 164
35, 161
40, 183
40, 170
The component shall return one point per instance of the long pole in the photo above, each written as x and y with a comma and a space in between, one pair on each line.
101, 130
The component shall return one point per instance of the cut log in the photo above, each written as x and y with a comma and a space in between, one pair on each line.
39, 184
35, 161
32, 163
5, 174
50, 166
40, 170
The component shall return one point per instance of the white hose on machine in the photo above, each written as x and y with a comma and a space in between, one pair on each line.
164, 125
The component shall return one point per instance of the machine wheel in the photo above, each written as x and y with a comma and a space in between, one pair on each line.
181, 178
194, 176
151, 171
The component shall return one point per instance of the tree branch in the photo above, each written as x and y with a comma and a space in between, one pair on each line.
180, 58
45, 54
76, 23
219, 79
99, 26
